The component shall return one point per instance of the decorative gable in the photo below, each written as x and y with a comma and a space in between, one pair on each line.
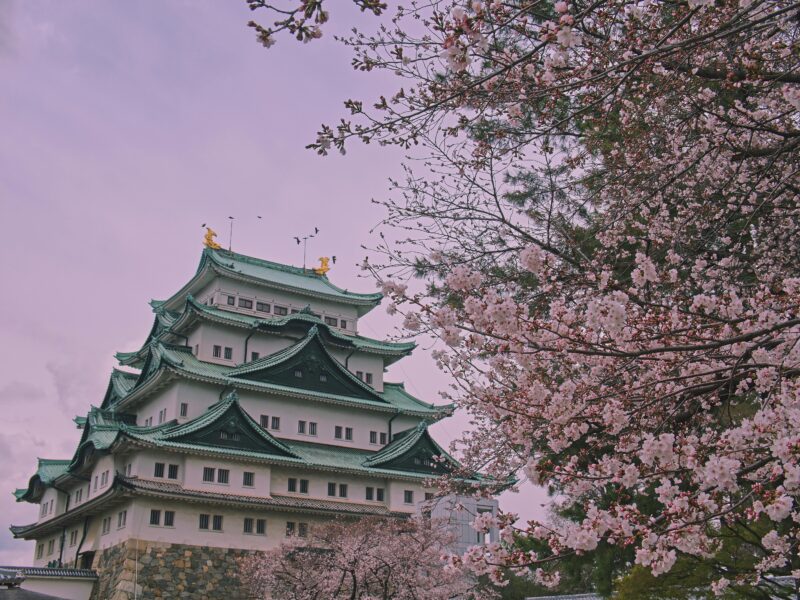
229, 427
413, 450
307, 365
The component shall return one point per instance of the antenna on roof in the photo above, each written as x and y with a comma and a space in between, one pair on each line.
230, 236
304, 241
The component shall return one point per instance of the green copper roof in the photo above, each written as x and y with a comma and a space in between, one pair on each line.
47, 471
119, 385
417, 441
180, 360
304, 282
168, 322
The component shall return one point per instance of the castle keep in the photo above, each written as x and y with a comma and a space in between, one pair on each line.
253, 410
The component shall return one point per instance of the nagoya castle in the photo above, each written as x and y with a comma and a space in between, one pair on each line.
252, 411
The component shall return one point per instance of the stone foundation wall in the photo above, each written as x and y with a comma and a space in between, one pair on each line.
169, 571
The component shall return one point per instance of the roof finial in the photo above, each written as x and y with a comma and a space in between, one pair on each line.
208, 239
323, 265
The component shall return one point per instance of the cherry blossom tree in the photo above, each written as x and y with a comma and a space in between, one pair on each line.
369, 559
603, 207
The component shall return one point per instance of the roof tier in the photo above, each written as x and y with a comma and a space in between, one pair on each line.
172, 322
165, 361
226, 430
268, 274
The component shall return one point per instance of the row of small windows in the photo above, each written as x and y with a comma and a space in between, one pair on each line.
171, 470
214, 475
281, 311
122, 519
211, 522
219, 352
105, 527
340, 432
263, 307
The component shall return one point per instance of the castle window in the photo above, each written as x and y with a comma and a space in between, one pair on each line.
348, 434
262, 307
184, 409
217, 351
370, 493
248, 525
264, 421
276, 423
312, 428
331, 489
228, 353
208, 474
302, 529
248, 479
159, 470
106, 525
73, 537
342, 490
360, 375
383, 439
155, 517
254, 356
172, 472
231, 301
368, 378
373, 437
281, 311
245, 303
234, 437
122, 519
40, 551
408, 496
223, 475
323, 377
95, 483
162, 416
169, 518
216, 523
261, 527
292, 484
204, 521
298, 373
196, 349
333, 321
379, 494
50, 546
295, 311
289, 528
337, 432
301, 427
343, 324
304, 486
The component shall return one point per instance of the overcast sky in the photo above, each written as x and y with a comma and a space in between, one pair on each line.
123, 127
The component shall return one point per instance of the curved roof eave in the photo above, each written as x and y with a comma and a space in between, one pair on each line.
211, 263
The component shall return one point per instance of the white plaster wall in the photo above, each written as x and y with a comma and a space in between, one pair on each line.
222, 287
143, 465
165, 398
396, 495
68, 589
366, 363
318, 485
59, 502
327, 416
193, 477
187, 531
198, 396
103, 463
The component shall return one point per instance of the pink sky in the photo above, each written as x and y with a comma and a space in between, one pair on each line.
125, 126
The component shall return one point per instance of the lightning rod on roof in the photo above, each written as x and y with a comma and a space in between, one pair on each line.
304, 241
